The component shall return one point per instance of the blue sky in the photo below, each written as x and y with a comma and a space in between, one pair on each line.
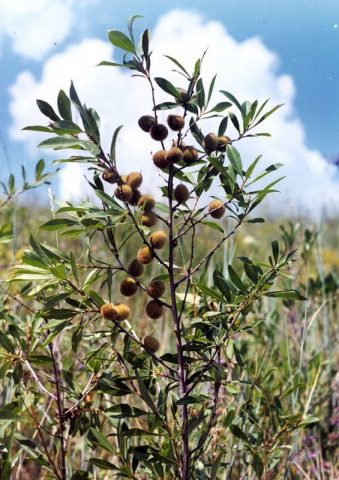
303, 36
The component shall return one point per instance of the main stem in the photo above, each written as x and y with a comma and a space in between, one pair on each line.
185, 460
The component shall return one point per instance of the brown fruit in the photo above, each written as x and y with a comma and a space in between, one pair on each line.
154, 309
123, 312
158, 239
156, 288
134, 180
146, 203
136, 197
108, 311
175, 122
128, 287
123, 178
190, 155
135, 268
146, 122
210, 142
160, 160
216, 208
181, 193
223, 140
158, 132
145, 255
124, 192
110, 176
148, 219
174, 155
151, 343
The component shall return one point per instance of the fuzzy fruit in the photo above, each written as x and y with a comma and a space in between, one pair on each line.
181, 193
175, 122
210, 142
110, 176
223, 140
190, 155
148, 219
146, 203
135, 268
128, 287
154, 309
151, 343
158, 239
174, 155
146, 122
108, 311
135, 198
145, 255
156, 289
123, 312
160, 160
158, 132
124, 192
216, 208
134, 180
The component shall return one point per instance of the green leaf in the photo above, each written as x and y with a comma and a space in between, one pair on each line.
251, 168
211, 88
237, 432
145, 42
103, 464
58, 224
38, 128
114, 141
39, 168
64, 106
234, 158
6, 343
236, 279
47, 110
120, 40
267, 114
233, 99
235, 121
67, 126
102, 441
167, 86
177, 64
221, 106
221, 284
290, 294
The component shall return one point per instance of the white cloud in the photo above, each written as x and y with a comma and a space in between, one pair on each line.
248, 69
35, 26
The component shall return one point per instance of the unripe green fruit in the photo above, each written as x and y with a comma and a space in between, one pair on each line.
159, 132
223, 140
190, 155
134, 180
154, 309
108, 311
151, 343
210, 142
146, 122
160, 159
181, 193
216, 208
146, 203
135, 268
135, 198
174, 155
158, 239
110, 176
148, 219
124, 192
128, 287
145, 255
175, 122
156, 289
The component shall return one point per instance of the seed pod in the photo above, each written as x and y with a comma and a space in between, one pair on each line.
128, 287
223, 140
146, 122
108, 311
160, 160
146, 203
154, 309
181, 193
158, 132
145, 255
156, 289
175, 122
158, 239
174, 155
136, 197
123, 312
135, 268
124, 192
216, 208
210, 142
110, 176
134, 180
190, 155
151, 343
148, 219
